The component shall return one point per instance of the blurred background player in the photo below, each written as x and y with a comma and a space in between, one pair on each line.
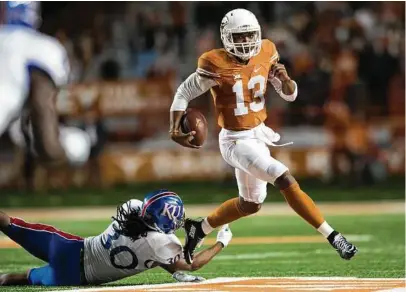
237, 77
33, 67
140, 238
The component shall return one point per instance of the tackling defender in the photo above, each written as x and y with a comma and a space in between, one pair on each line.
237, 77
141, 237
33, 67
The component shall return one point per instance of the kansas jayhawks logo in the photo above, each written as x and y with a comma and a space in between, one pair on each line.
172, 211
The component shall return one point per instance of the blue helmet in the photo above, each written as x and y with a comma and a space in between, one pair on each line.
25, 13
163, 211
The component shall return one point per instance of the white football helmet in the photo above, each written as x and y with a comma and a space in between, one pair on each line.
241, 21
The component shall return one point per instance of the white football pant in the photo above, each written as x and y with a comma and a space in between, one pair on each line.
254, 166
11, 104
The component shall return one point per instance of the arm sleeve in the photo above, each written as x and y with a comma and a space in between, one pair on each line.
277, 84
194, 86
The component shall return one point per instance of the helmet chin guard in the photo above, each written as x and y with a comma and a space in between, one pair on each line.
239, 21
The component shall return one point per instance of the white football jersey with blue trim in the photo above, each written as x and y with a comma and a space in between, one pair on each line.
110, 256
23, 48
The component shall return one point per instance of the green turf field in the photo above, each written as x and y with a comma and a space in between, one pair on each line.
380, 239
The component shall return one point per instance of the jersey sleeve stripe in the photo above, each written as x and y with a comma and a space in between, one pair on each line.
274, 57
201, 71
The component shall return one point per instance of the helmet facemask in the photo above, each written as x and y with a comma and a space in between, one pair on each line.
243, 43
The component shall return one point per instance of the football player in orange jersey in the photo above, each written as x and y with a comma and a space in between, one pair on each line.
237, 76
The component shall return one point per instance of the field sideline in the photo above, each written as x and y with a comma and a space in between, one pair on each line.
273, 251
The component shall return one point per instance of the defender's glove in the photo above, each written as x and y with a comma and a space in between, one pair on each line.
224, 235
183, 277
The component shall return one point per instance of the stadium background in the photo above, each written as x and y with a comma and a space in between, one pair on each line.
347, 125
128, 59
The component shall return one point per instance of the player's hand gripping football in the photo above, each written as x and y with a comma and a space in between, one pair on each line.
278, 70
176, 133
224, 235
183, 139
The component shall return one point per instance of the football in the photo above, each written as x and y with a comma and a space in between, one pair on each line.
194, 120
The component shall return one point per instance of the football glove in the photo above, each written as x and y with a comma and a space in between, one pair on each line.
183, 277
224, 235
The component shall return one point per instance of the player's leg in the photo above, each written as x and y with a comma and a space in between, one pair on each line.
258, 162
251, 187
43, 276
301, 203
60, 249
252, 192
65, 265
14, 279
66, 260
37, 239
305, 207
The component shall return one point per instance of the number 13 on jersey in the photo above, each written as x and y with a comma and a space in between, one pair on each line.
239, 93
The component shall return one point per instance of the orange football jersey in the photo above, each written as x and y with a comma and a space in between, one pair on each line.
239, 94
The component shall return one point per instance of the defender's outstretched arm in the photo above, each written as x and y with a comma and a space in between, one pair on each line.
200, 259
205, 256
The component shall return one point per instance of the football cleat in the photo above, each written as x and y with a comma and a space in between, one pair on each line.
194, 236
345, 249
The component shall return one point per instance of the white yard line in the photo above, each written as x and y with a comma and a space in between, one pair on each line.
150, 286
285, 283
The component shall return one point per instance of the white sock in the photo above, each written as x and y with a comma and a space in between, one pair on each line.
206, 226
325, 229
